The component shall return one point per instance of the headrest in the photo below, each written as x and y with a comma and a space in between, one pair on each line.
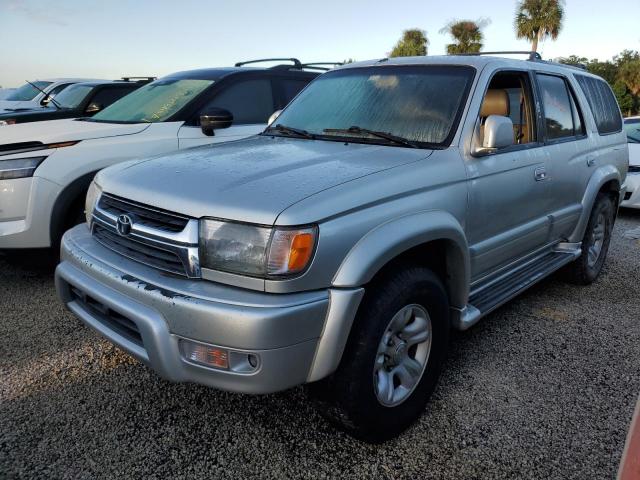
496, 102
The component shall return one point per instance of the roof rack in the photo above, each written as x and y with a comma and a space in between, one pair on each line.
295, 64
295, 61
533, 56
139, 79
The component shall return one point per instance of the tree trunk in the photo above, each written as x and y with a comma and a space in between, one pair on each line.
534, 45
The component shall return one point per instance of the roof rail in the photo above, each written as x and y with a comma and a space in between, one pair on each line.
533, 56
320, 65
139, 79
295, 61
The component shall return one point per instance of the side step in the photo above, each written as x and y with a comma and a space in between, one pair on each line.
496, 291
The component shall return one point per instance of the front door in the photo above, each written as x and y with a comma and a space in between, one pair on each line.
251, 103
507, 213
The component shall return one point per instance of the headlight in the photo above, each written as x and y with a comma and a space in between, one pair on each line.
19, 167
90, 202
255, 250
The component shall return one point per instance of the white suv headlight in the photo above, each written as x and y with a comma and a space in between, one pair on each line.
255, 250
19, 167
90, 202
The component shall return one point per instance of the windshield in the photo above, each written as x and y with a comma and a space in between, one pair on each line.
420, 104
72, 96
632, 129
154, 102
27, 92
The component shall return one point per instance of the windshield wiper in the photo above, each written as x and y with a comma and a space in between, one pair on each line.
374, 133
46, 95
291, 131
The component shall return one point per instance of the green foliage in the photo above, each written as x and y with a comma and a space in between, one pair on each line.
467, 35
538, 19
623, 74
413, 43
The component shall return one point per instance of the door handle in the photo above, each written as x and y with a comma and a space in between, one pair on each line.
540, 174
591, 160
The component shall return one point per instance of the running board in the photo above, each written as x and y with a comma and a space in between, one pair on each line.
496, 291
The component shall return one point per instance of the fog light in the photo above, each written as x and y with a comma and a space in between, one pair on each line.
205, 354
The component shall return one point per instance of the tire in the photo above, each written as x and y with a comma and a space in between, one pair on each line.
595, 243
349, 397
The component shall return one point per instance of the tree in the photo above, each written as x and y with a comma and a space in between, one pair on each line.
413, 43
624, 98
539, 19
466, 34
629, 73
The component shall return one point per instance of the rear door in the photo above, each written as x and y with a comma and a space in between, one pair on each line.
250, 100
570, 153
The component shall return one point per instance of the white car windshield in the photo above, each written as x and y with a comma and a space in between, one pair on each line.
632, 129
154, 102
27, 91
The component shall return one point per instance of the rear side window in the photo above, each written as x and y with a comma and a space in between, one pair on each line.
602, 103
249, 101
291, 87
561, 116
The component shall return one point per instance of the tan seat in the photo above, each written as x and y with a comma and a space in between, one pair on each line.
496, 102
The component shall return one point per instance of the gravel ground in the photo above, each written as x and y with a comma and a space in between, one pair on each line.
543, 388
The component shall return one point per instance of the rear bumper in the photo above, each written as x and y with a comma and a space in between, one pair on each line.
631, 198
283, 331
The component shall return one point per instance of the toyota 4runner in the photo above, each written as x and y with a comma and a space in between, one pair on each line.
390, 201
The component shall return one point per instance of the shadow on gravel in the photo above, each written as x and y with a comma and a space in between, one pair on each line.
41, 261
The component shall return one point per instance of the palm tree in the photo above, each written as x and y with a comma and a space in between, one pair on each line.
414, 42
538, 19
467, 35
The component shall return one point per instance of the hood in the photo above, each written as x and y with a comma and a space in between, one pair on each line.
65, 130
250, 180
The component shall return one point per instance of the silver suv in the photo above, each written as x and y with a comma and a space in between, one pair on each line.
390, 201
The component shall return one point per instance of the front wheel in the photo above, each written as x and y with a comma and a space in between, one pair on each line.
393, 357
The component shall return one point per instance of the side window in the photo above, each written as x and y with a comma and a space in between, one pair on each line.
558, 108
509, 95
57, 89
603, 104
291, 87
249, 101
107, 96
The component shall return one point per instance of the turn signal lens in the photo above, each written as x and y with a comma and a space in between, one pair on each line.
291, 250
206, 354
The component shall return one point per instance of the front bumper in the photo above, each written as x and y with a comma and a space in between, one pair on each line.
285, 331
25, 212
631, 197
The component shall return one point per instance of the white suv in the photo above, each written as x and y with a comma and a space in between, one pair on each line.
46, 167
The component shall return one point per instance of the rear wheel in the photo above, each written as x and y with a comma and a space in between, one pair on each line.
393, 357
595, 242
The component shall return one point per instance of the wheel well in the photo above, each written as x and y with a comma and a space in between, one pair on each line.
67, 205
612, 188
442, 257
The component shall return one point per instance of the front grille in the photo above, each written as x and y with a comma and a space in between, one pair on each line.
634, 168
145, 215
141, 252
110, 318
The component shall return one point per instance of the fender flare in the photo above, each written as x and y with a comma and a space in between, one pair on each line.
601, 176
63, 203
388, 240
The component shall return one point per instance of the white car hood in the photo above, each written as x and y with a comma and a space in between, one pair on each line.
66, 130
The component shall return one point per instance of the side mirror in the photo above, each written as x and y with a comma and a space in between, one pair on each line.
215, 118
273, 117
93, 108
498, 133
46, 100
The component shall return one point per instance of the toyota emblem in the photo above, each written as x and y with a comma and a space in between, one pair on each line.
124, 224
